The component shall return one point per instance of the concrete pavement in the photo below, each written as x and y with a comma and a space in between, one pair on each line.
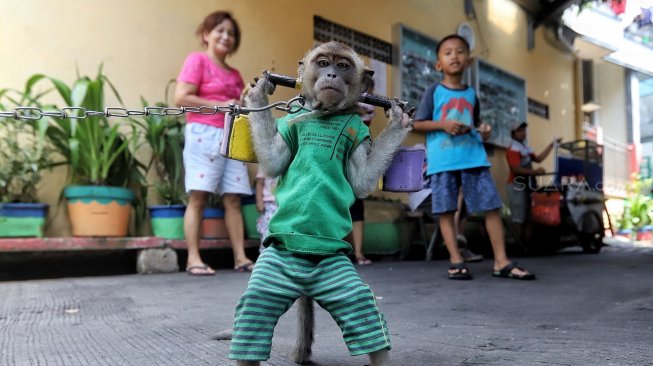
582, 310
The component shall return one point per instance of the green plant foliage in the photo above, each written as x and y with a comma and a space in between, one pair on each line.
23, 158
638, 206
97, 152
165, 137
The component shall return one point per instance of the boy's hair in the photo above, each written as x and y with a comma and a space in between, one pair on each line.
449, 37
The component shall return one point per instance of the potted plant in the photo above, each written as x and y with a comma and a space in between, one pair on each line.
165, 137
636, 217
213, 224
104, 173
23, 158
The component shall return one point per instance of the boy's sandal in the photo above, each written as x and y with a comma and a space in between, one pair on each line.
506, 272
459, 271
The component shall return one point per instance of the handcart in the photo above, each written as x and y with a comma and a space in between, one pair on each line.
568, 209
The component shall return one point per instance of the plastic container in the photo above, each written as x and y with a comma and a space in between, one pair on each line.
236, 141
168, 221
23, 219
624, 233
645, 233
99, 210
405, 172
250, 215
213, 225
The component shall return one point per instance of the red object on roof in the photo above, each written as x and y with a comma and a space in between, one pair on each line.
618, 6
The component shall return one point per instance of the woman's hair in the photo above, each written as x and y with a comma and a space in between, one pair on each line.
215, 18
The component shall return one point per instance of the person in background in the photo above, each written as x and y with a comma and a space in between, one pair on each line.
357, 210
266, 204
206, 79
456, 159
521, 183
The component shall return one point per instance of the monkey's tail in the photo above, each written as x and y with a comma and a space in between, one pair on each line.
306, 318
225, 335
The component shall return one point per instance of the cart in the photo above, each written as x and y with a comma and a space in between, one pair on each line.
575, 194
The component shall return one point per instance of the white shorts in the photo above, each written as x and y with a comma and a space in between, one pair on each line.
205, 169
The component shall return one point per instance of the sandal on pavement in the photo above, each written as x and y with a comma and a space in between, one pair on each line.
459, 271
201, 270
362, 261
506, 272
247, 267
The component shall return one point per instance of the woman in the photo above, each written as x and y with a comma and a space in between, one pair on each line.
207, 80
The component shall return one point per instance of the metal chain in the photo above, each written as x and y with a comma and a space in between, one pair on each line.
294, 105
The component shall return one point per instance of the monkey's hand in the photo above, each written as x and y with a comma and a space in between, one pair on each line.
271, 150
257, 96
398, 119
370, 160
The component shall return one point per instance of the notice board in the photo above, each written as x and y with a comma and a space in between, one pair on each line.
502, 96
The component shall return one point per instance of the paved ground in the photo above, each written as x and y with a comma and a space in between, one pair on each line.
582, 310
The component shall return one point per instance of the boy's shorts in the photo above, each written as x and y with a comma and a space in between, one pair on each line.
478, 188
207, 170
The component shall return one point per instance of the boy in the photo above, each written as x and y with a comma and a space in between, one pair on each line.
456, 158
519, 187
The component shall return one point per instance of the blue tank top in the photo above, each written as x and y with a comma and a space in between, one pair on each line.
444, 151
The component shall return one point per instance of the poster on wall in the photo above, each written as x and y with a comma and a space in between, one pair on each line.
502, 96
415, 58
415, 61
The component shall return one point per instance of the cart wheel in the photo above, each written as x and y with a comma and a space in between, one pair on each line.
591, 237
591, 243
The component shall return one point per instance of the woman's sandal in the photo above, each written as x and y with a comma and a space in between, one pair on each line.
506, 272
459, 271
362, 261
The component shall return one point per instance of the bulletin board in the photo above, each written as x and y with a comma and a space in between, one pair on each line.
415, 61
503, 100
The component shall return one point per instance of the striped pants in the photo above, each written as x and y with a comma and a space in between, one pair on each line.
280, 277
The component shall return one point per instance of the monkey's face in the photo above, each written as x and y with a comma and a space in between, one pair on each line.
332, 79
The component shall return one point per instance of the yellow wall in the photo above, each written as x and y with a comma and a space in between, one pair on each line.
143, 43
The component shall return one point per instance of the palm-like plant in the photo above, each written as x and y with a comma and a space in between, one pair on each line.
165, 136
98, 152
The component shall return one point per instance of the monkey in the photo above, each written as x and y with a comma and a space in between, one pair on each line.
324, 157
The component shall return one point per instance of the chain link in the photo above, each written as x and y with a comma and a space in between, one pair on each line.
292, 106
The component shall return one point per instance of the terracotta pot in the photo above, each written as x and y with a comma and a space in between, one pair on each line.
213, 225
99, 210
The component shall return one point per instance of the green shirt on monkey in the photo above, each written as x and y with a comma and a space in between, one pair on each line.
317, 174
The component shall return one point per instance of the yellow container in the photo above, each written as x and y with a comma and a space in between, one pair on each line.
237, 141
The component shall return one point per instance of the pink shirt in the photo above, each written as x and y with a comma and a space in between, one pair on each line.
213, 83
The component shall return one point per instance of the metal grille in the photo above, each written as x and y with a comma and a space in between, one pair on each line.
325, 31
